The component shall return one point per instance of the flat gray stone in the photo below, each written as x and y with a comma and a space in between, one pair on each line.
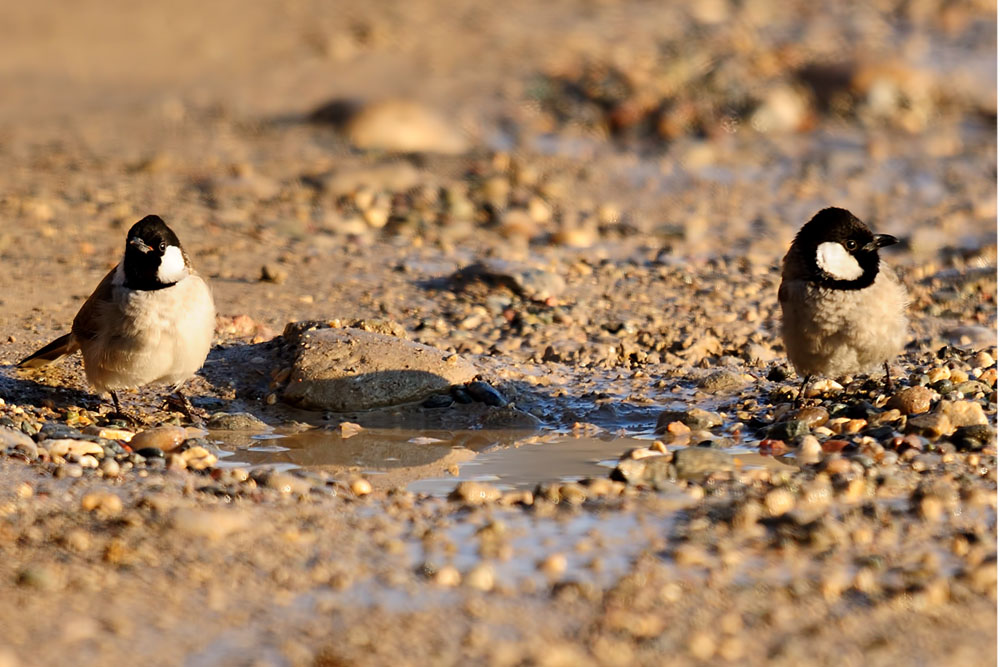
345, 370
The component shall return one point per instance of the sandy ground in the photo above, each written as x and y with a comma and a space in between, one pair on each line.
657, 161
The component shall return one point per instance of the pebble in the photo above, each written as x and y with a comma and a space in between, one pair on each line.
912, 400
813, 416
482, 577
286, 483
789, 431
696, 462
164, 438
361, 487
973, 438
403, 126
102, 502
937, 374
779, 502
702, 645
553, 566
20, 442
110, 467
197, 458
651, 470
809, 451
484, 393
236, 421
933, 424
150, 452
60, 449
695, 418
209, 523
721, 381
448, 576
475, 493
822, 386
349, 429
120, 434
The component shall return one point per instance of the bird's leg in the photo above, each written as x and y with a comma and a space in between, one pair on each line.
180, 401
888, 378
802, 390
120, 414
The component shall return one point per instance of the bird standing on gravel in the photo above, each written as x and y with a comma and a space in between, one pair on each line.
843, 310
151, 320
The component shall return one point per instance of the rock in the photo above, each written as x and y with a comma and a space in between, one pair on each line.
553, 566
403, 126
18, 442
197, 458
809, 451
972, 387
475, 493
236, 421
57, 431
789, 431
345, 370
119, 434
697, 462
164, 438
822, 386
438, 401
484, 393
974, 437
349, 429
60, 449
813, 416
482, 577
150, 453
721, 381
361, 487
209, 523
912, 400
650, 470
508, 417
783, 109
779, 502
110, 468
524, 280
770, 447
448, 576
695, 418
963, 413
104, 503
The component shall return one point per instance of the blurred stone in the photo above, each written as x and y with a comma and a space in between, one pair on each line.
404, 126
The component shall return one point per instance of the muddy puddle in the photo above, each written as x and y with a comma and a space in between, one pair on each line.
432, 462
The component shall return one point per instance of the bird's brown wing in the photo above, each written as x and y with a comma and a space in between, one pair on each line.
86, 324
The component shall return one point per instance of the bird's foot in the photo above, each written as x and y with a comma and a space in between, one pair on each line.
179, 402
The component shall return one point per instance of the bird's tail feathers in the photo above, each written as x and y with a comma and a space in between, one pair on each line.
51, 353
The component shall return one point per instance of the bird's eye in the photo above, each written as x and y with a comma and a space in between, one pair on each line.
163, 246
851, 244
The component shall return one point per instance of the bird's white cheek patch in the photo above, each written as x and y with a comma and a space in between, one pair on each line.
172, 268
836, 261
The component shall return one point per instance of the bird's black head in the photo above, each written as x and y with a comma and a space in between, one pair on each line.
153, 256
839, 250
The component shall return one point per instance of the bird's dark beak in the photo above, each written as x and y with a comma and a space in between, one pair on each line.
140, 244
881, 241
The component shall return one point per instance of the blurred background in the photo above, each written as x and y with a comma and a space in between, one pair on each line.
593, 127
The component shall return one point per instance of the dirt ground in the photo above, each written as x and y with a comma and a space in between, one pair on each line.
632, 172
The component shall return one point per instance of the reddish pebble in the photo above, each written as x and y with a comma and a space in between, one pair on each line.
772, 447
831, 446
